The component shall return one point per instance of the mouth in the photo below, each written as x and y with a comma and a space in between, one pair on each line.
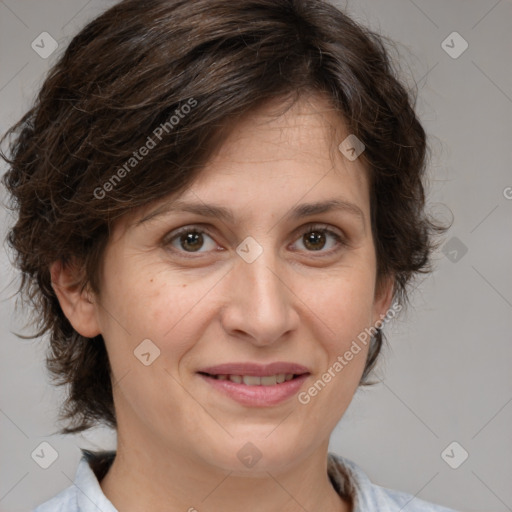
255, 385
254, 380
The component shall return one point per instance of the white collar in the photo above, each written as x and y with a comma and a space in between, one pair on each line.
86, 495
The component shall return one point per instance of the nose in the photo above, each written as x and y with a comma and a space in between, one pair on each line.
260, 305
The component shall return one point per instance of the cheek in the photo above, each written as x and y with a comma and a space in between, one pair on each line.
178, 305
343, 300
344, 306
147, 297
166, 307
165, 310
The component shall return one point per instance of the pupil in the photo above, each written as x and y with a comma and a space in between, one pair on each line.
194, 241
315, 240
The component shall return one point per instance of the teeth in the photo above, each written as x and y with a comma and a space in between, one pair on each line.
253, 380
270, 380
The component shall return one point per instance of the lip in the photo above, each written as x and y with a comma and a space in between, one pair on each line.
257, 396
259, 370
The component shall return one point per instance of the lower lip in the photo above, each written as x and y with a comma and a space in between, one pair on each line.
257, 396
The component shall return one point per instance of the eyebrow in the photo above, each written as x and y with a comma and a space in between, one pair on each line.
225, 214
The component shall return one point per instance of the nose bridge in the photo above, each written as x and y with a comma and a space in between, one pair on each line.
259, 303
264, 287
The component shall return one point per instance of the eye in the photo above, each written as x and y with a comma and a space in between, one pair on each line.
191, 240
318, 238
315, 238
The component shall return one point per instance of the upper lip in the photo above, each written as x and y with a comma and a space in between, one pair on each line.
259, 370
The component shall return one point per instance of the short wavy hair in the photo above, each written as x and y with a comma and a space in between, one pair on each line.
125, 75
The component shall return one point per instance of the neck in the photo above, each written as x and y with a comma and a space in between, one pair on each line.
143, 478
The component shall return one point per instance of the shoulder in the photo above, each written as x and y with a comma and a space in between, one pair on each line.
85, 495
65, 501
413, 504
369, 497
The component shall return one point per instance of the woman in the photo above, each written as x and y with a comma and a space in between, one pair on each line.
232, 206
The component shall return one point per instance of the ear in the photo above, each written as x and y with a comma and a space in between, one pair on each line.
76, 304
383, 297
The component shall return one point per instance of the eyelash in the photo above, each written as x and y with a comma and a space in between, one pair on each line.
319, 228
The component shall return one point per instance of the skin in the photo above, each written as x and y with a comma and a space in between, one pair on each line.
178, 437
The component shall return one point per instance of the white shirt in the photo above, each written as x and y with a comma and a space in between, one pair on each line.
85, 495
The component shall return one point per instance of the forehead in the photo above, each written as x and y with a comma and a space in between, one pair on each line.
293, 148
309, 130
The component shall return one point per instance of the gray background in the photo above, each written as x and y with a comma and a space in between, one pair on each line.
446, 376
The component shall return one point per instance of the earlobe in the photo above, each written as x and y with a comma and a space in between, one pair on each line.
77, 305
383, 297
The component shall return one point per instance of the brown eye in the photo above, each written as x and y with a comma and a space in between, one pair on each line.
314, 240
190, 240
320, 239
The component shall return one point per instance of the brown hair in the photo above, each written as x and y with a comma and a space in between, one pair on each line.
129, 73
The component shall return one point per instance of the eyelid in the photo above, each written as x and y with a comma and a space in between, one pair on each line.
339, 236
169, 237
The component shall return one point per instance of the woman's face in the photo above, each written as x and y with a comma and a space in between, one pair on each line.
278, 266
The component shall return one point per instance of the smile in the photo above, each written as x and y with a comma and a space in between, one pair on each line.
254, 380
254, 390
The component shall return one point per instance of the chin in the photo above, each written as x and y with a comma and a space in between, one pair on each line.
256, 455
